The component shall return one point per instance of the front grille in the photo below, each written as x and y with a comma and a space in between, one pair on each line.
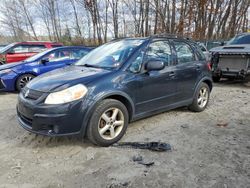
1, 84
31, 94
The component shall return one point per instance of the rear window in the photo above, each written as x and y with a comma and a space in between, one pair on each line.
199, 51
184, 52
36, 48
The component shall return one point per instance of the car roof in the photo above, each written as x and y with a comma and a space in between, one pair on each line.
243, 34
39, 42
157, 36
74, 47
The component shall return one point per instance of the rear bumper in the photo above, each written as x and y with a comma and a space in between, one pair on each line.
51, 120
231, 73
231, 65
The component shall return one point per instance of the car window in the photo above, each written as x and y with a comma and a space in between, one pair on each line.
36, 48
19, 49
136, 64
79, 53
202, 47
199, 52
59, 55
240, 39
184, 52
159, 50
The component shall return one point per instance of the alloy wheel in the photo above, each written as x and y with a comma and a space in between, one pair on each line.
203, 97
111, 123
25, 80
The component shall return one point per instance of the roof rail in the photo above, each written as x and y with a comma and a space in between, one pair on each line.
35, 41
119, 38
169, 35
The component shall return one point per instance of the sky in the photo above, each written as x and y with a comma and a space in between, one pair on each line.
40, 27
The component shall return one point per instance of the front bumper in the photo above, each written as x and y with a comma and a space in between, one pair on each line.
7, 81
2, 85
51, 120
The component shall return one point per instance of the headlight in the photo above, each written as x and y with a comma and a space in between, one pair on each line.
70, 94
5, 71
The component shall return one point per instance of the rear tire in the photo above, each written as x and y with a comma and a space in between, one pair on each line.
201, 98
23, 80
108, 123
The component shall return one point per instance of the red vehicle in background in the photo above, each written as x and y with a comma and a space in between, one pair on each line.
20, 51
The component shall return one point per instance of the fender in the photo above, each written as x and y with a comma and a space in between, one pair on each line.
202, 80
92, 103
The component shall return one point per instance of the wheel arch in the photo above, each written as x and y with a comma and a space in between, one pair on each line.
124, 101
209, 83
32, 73
120, 96
206, 80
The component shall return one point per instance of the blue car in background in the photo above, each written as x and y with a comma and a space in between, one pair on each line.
14, 76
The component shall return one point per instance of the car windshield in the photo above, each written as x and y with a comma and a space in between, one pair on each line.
37, 56
4, 49
110, 55
240, 39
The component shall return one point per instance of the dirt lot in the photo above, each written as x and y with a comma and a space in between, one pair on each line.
203, 154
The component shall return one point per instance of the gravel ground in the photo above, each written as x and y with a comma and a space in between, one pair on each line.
203, 153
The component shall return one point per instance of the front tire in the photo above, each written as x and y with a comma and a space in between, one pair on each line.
23, 80
108, 123
201, 98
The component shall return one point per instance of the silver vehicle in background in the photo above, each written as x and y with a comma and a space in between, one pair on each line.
233, 59
205, 51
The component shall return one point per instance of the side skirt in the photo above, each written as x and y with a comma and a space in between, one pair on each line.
162, 109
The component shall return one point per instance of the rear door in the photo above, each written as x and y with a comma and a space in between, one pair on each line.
34, 49
188, 70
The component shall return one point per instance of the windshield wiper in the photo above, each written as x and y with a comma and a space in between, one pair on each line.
95, 66
89, 65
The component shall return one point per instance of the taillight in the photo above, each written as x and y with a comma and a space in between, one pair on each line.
209, 66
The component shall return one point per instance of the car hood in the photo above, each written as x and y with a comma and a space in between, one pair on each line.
65, 77
232, 49
11, 65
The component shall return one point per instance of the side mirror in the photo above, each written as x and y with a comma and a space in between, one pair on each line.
44, 60
154, 65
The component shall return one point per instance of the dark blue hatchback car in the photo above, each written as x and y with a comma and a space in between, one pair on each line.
118, 82
15, 76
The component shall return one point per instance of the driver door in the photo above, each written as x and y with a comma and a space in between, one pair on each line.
56, 59
156, 89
